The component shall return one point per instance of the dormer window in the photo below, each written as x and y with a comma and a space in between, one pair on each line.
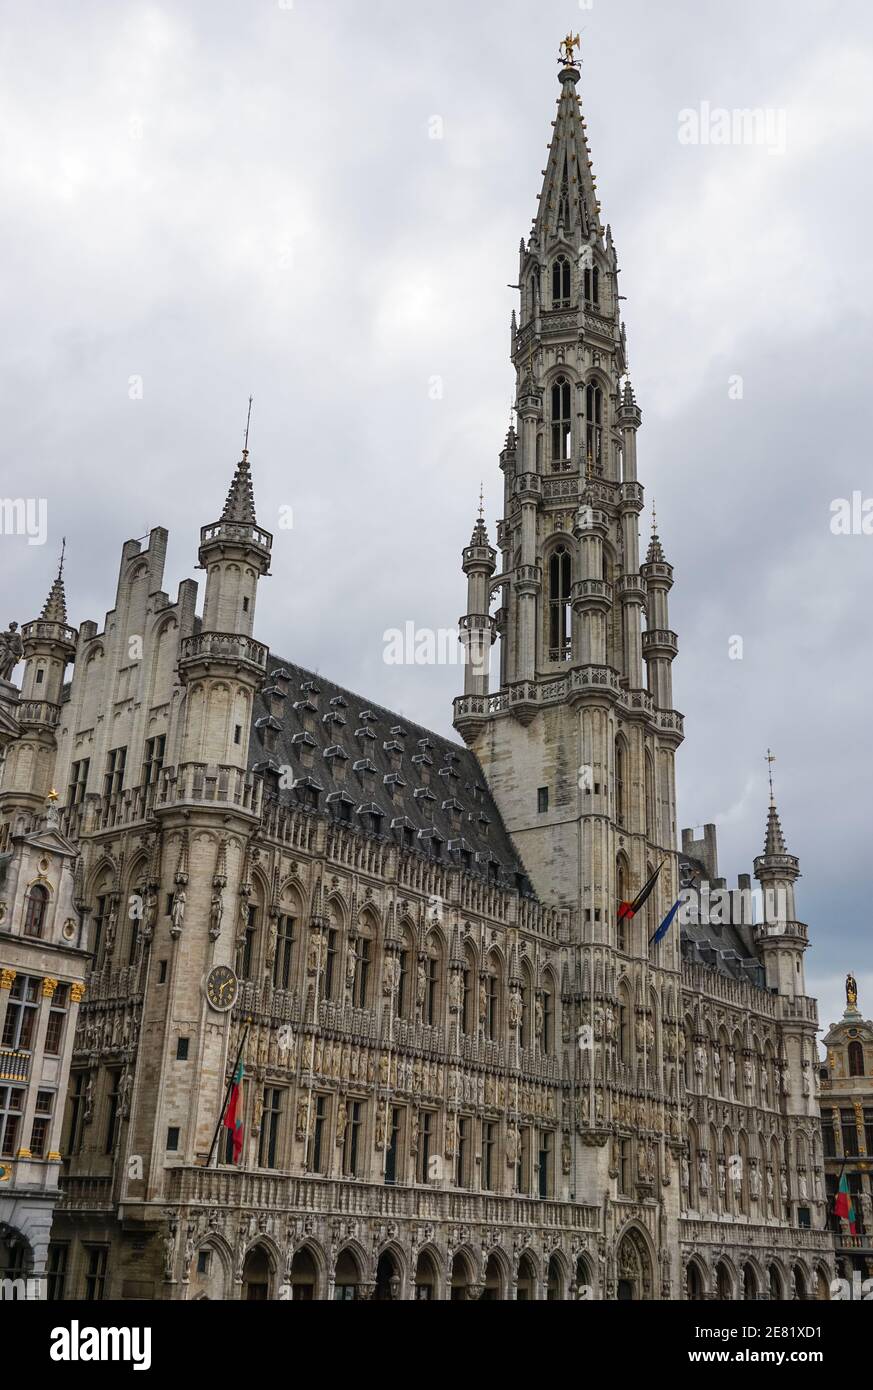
561, 290
342, 805
562, 424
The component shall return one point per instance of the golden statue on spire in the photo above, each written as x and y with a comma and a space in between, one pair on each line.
568, 50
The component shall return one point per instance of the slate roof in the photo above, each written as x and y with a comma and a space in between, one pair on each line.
400, 767
729, 948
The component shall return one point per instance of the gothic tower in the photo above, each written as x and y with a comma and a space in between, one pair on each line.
49, 646
196, 914
577, 745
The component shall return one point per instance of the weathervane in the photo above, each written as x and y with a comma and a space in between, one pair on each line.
771, 760
568, 50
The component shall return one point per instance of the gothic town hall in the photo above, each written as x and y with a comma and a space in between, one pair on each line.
460, 1071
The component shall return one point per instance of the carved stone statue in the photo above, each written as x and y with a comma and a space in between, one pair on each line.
539, 1015
421, 983
748, 1074
456, 991
216, 912
851, 983
705, 1175
180, 900
685, 1171
342, 1116
699, 1060
11, 651
754, 1181
483, 1002
515, 1008
169, 1253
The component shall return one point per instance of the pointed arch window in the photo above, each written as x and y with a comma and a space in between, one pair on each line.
594, 424
562, 424
620, 772
284, 959
534, 292
561, 283
621, 893
560, 582
592, 286
650, 797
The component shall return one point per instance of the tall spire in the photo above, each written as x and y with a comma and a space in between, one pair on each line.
55, 606
655, 555
240, 504
568, 200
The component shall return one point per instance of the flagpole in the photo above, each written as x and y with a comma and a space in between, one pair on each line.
227, 1096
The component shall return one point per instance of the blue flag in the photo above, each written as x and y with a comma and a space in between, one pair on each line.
665, 925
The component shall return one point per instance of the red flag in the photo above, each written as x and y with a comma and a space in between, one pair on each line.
844, 1206
628, 910
232, 1120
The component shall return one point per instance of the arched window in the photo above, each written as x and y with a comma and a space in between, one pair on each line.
433, 976
560, 583
526, 1002
548, 1000
594, 424
620, 771
561, 283
621, 891
492, 1000
248, 949
856, 1059
534, 292
404, 988
363, 949
35, 910
329, 956
562, 424
650, 799
283, 965
625, 1024
592, 285
468, 1010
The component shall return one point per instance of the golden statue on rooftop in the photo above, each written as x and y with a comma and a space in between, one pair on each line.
568, 50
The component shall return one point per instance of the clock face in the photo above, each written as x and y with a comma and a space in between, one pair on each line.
222, 987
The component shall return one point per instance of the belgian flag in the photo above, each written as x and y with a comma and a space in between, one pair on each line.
626, 911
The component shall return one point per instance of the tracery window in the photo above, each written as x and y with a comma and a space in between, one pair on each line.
562, 423
560, 583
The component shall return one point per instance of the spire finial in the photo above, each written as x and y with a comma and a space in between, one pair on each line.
568, 50
61, 561
654, 519
248, 423
770, 758
481, 500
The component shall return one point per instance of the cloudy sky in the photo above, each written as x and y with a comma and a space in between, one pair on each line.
206, 200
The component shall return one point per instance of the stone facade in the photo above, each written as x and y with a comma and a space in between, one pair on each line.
465, 1074
847, 1127
43, 961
